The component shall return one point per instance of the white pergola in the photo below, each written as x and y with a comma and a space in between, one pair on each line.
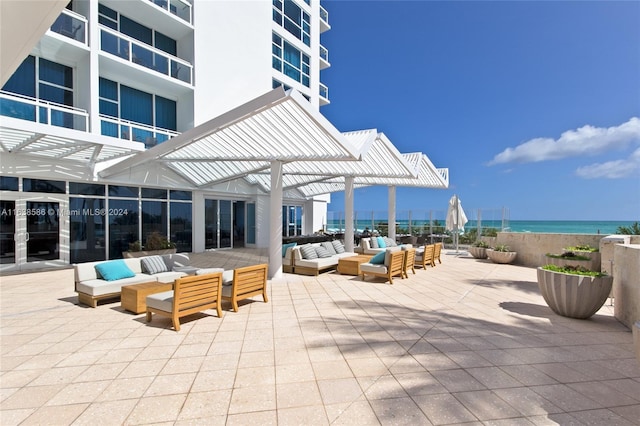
264, 135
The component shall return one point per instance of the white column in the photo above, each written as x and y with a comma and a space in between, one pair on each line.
348, 213
275, 221
392, 212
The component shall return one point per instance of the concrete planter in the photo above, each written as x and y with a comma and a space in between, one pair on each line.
501, 256
478, 252
574, 296
143, 253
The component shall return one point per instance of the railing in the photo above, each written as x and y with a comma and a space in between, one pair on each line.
142, 54
40, 111
324, 15
324, 91
132, 131
71, 24
421, 222
324, 53
180, 8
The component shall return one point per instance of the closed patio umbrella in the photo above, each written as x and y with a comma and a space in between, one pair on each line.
456, 218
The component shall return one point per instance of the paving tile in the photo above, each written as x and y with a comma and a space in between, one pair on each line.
435, 348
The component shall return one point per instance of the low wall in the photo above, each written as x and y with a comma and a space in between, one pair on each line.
532, 247
626, 283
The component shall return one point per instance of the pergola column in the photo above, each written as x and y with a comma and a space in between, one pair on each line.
348, 213
275, 221
392, 213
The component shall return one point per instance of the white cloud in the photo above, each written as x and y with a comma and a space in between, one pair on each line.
612, 169
586, 140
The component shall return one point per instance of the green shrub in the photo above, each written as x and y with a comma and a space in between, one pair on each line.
502, 247
574, 270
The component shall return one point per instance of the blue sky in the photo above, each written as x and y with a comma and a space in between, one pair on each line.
533, 106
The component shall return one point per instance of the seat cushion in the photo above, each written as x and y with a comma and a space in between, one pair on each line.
161, 301
169, 276
318, 263
98, 287
114, 270
374, 269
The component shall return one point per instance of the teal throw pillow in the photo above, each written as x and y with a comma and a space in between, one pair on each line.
114, 270
286, 246
378, 259
381, 243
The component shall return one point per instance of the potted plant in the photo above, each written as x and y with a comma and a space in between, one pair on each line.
568, 258
155, 244
479, 249
501, 254
589, 252
573, 291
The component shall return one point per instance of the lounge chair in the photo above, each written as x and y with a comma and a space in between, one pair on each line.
190, 295
392, 267
247, 282
424, 256
409, 262
436, 253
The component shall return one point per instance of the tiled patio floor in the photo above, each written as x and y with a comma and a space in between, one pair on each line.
466, 342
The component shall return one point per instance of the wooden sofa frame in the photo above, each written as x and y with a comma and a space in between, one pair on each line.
192, 294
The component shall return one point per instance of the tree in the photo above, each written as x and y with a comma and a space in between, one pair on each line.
629, 230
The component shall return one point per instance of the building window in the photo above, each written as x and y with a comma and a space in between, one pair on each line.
112, 19
289, 60
38, 78
291, 221
291, 17
151, 111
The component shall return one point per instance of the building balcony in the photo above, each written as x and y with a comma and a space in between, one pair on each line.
39, 111
144, 55
179, 8
324, 58
324, 94
72, 25
324, 20
135, 132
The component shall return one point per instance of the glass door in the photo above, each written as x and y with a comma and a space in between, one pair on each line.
7, 232
251, 224
43, 231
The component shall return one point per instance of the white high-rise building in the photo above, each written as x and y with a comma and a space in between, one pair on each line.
110, 78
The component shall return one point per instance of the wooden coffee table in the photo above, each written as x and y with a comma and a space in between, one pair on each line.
133, 298
351, 265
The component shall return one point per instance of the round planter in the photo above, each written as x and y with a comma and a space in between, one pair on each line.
501, 256
478, 252
574, 296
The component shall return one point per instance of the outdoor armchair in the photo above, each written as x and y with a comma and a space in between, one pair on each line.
425, 257
409, 262
392, 267
247, 282
190, 295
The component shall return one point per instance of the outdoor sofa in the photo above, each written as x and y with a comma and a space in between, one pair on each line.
314, 258
375, 245
95, 281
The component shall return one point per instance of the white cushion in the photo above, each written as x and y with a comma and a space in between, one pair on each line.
375, 269
169, 276
318, 263
98, 287
161, 301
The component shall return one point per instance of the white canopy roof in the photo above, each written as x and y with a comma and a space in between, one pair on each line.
277, 126
26, 137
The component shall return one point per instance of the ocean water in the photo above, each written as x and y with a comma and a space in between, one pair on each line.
538, 226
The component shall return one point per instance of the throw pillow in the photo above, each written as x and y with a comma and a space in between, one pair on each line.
338, 246
381, 243
378, 259
327, 245
322, 252
373, 242
308, 251
153, 264
389, 242
114, 270
286, 246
